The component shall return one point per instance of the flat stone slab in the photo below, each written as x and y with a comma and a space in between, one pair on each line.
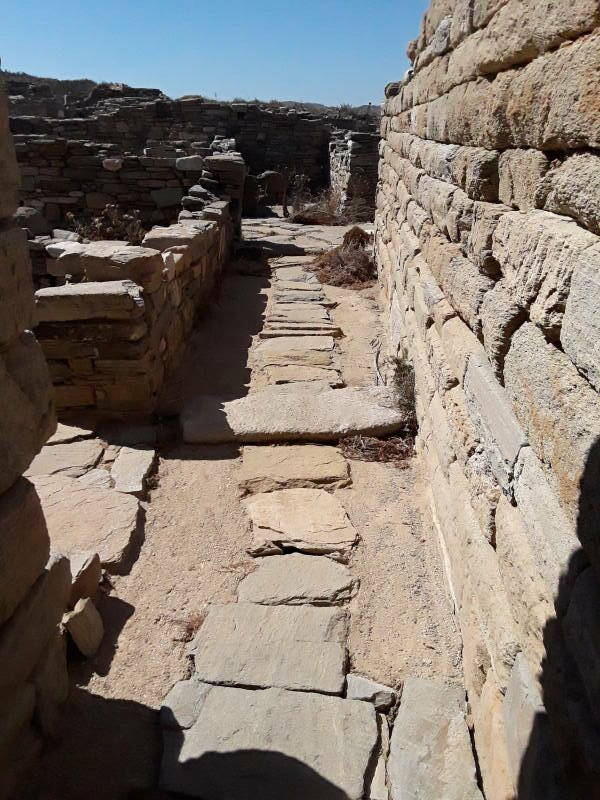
297, 579
264, 417
308, 520
309, 358
361, 688
276, 333
297, 312
298, 286
85, 518
69, 433
294, 273
291, 296
430, 750
69, 458
270, 745
99, 478
265, 469
294, 374
249, 645
131, 469
290, 344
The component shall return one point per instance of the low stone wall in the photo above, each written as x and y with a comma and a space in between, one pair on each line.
488, 249
353, 167
111, 339
34, 587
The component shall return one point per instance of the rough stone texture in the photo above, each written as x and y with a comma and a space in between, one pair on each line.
71, 459
361, 688
82, 518
265, 469
244, 644
581, 322
322, 417
86, 574
309, 520
430, 750
572, 187
293, 374
271, 744
85, 627
131, 468
110, 300
297, 579
69, 433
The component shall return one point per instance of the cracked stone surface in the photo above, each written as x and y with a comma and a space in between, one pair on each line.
72, 458
265, 469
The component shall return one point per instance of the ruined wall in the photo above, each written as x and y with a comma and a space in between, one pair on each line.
487, 240
353, 167
34, 586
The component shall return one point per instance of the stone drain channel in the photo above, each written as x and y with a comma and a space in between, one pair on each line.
270, 710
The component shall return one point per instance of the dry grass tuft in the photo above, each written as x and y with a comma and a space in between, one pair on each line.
395, 450
112, 223
349, 265
190, 625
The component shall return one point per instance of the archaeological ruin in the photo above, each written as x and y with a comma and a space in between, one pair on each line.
301, 433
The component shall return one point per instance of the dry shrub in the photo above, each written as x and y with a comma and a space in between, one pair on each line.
322, 210
112, 223
403, 382
350, 264
394, 450
190, 625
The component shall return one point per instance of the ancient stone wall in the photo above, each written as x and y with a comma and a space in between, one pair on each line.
34, 586
487, 240
353, 167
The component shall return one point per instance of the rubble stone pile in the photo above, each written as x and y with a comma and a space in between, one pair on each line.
354, 162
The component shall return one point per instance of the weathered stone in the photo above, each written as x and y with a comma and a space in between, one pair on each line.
109, 261
581, 321
572, 187
79, 301
23, 639
265, 469
323, 417
520, 173
182, 706
297, 579
360, 688
24, 545
309, 520
86, 574
16, 287
85, 627
245, 644
293, 374
71, 458
500, 318
430, 749
289, 345
100, 478
271, 744
131, 469
82, 518
190, 164
379, 789
69, 433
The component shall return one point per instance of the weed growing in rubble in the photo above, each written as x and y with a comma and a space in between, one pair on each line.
112, 223
190, 625
350, 264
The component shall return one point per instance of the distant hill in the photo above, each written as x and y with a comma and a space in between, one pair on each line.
315, 108
77, 86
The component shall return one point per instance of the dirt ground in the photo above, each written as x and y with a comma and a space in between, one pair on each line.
108, 744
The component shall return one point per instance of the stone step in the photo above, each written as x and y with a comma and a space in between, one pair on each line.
288, 647
430, 750
297, 286
298, 312
265, 745
294, 273
293, 374
265, 469
297, 579
269, 332
308, 520
265, 417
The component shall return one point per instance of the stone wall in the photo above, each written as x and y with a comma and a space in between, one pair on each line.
488, 247
34, 586
353, 167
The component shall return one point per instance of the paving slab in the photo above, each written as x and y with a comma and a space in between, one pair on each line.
293, 374
99, 478
297, 579
265, 469
69, 458
360, 688
430, 749
298, 312
85, 518
291, 647
131, 469
309, 358
290, 344
308, 520
269, 332
292, 296
69, 433
265, 417
294, 273
298, 286
270, 745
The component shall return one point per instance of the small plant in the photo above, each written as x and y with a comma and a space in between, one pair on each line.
190, 625
111, 223
350, 264
394, 450
403, 382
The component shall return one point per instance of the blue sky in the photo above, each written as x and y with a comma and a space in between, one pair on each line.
328, 51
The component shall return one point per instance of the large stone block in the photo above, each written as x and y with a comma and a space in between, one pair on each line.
24, 545
572, 187
520, 174
107, 261
581, 321
27, 416
16, 286
79, 301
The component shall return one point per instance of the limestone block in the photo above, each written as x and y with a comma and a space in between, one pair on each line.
483, 219
430, 750
16, 287
537, 253
131, 469
581, 321
520, 175
107, 261
500, 318
297, 579
326, 416
360, 688
85, 627
265, 469
24, 545
110, 526
293, 647
81, 301
309, 520
557, 408
24, 637
192, 234
494, 418
288, 743
189, 164
71, 458
465, 287
51, 681
490, 741
572, 188
26, 407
